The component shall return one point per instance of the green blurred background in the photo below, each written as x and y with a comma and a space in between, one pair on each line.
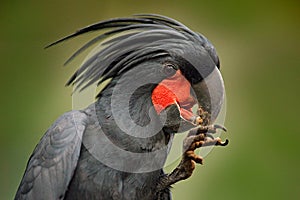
258, 44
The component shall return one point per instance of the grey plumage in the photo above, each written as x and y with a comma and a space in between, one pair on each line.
51, 166
74, 160
143, 37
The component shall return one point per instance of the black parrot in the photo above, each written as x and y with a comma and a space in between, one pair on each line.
157, 73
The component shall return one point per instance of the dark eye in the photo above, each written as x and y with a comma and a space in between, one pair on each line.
169, 69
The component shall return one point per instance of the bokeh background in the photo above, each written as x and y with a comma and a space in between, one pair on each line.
259, 47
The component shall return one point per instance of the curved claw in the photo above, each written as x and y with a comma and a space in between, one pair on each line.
206, 129
217, 126
224, 143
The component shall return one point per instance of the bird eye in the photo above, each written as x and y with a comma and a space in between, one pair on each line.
169, 69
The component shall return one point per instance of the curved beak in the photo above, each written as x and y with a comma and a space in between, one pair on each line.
210, 95
178, 98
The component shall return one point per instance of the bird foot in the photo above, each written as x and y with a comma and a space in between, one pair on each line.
200, 136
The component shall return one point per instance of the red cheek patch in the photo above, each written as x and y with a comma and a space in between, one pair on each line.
174, 90
162, 97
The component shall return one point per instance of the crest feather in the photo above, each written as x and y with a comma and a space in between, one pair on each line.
129, 41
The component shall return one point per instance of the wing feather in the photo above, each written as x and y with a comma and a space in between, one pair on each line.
52, 163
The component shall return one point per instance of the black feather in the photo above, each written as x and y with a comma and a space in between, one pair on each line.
129, 41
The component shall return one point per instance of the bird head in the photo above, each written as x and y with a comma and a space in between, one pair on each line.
194, 81
157, 67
